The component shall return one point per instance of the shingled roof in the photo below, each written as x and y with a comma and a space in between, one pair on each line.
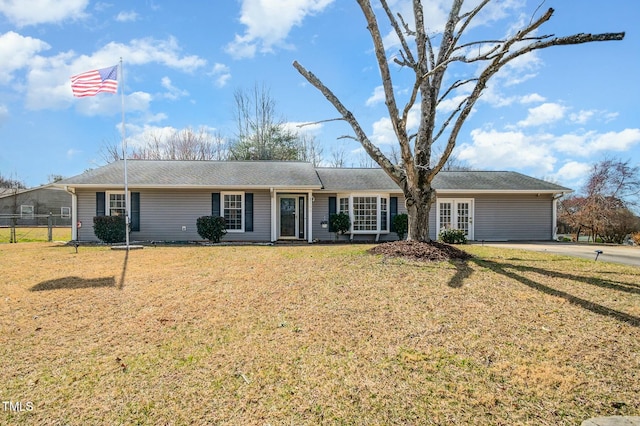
227, 174
337, 179
289, 174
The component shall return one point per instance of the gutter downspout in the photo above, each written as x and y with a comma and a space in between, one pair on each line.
554, 216
74, 212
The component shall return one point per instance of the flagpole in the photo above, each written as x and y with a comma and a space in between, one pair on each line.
124, 155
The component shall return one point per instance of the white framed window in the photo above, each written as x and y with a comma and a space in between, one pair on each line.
26, 212
344, 205
65, 212
233, 210
369, 213
115, 204
384, 214
365, 214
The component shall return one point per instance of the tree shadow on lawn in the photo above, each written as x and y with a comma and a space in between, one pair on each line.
464, 271
72, 283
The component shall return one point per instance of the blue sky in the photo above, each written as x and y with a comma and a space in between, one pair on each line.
550, 115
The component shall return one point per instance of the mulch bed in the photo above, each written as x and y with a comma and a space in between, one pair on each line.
432, 251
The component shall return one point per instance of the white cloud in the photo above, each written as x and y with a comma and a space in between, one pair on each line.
573, 171
268, 23
383, 133
221, 74
376, 97
582, 116
501, 150
48, 84
531, 98
32, 12
544, 114
71, 153
173, 92
4, 113
589, 143
17, 52
127, 16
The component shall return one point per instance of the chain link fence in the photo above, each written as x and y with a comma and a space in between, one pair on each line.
36, 227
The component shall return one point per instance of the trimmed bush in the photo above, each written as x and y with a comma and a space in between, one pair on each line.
109, 229
452, 236
401, 225
211, 228
340, 222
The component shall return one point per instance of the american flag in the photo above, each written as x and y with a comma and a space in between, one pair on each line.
91, 83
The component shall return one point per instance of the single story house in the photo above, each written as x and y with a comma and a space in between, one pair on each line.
33, 206
270, 200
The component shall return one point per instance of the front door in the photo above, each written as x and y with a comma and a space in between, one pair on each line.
288, 217
456, 214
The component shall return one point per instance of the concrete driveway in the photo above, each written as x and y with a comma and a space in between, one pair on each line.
619, 254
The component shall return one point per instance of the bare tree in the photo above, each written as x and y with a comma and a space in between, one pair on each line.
604, 208
261, 135
311, 150
185, 144
432, 86
338, 157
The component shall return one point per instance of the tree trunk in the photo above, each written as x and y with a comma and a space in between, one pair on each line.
418, 203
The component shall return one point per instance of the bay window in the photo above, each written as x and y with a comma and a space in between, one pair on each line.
369, 213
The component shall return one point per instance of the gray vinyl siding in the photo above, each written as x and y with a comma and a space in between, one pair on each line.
509, 217
514, 217
163, 213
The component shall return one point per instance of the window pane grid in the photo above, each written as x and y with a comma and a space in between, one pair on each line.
383, 214
232, 208
445, 215
365, 213
116, 205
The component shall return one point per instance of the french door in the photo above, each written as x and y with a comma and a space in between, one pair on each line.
455, 214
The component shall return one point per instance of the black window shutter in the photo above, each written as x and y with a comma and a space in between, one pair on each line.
248, 212
333, 208
100, 203
135, 211
215, 204
393, 211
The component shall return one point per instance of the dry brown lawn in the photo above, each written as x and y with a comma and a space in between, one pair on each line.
313, 335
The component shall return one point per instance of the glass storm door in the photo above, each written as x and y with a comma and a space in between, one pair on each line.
288, 217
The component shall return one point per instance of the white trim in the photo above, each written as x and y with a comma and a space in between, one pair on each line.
296, 213
309, 206
454, 214
107, 201
274, 214
241, 194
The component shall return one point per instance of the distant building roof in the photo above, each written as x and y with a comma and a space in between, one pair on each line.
289, 174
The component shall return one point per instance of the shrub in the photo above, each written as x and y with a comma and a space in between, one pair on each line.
340, 222
452, 236
109, 229
636, 238
401, 225
211, 228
